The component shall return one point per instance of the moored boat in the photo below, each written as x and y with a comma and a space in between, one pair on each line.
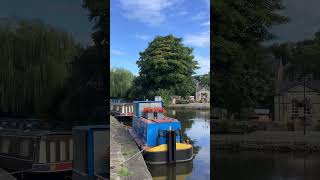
159, 136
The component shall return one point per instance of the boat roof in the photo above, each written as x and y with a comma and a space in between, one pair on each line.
162, 120
120, 103
91, 127
147, 101
32, 133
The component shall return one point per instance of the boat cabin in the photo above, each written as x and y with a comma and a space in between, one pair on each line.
151, 125
41, 151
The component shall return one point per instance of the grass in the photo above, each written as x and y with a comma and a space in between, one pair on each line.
124, 172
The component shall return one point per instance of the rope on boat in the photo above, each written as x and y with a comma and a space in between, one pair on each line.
132, 156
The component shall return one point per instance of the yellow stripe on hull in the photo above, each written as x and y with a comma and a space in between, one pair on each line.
164, 147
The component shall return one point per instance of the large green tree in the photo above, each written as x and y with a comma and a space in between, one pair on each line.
168, 65
84, 94
33, 65
241, 73
120, 82
300, 58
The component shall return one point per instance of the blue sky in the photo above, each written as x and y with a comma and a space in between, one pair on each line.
134, 23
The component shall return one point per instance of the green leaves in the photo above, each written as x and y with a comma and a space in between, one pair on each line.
167, 64
300, 58
242, 75
33, 58
120, 82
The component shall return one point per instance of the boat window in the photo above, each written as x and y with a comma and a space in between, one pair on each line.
52, 151
42, 152
24, 148
5, 144
70, 149
63, 151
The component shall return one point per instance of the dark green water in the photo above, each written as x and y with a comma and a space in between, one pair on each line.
265, 166
196, 128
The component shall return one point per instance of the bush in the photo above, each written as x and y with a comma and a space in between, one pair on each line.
165, 95
182, 101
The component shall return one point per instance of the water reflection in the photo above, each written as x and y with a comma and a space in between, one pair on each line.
178, 171
265, 165
196, 128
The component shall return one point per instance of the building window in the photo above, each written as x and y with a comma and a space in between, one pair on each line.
307, 109
294, 109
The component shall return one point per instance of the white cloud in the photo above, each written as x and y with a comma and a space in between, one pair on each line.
207, 23
151, 12
116, 52
203, 63
203, 15
198, 40
182, 13
143, 37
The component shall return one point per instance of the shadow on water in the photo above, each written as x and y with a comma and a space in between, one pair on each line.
265, 165
196, 128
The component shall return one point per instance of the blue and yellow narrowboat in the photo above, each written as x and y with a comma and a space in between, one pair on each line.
159, 136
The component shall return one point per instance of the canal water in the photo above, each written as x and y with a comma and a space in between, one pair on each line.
195, 127
250, 165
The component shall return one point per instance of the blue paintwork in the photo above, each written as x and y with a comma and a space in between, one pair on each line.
90, 129
148, 132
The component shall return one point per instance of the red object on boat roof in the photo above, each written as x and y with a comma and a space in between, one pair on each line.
154, 109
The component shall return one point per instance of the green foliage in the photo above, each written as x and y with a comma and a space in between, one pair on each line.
166, 64
33, 65
165, 95
85, 90
99, 13
242, 75
301, 58
124, 172
120, 82
204, 80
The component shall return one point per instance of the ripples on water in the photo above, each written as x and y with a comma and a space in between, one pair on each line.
250, 165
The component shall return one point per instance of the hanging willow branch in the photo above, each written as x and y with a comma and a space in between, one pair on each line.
33, 59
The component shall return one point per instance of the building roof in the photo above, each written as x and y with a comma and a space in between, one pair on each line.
287, 85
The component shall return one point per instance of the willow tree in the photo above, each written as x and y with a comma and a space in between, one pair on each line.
120, 82
33, 65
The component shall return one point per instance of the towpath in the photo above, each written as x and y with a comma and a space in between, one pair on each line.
269, 140
123, 148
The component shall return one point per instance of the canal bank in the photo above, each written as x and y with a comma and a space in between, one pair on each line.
269, 140
123, 147
265, 165
202, 106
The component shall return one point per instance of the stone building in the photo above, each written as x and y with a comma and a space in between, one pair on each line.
296, 99
203, 95
293, 102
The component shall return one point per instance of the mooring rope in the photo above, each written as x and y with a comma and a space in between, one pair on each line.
81, 173
132, 156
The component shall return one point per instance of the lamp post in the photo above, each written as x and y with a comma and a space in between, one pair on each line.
304, 99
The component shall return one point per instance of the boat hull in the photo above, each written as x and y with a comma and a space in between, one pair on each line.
184, 152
